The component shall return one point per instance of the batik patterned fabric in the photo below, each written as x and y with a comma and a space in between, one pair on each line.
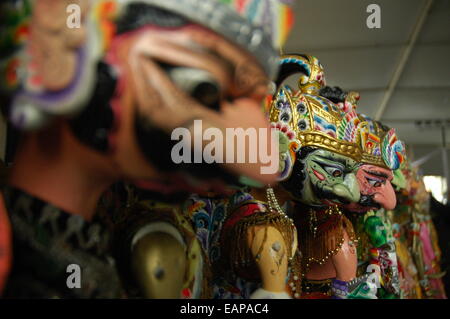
432, 277
46, 241
416, 241
214, 220
208, 216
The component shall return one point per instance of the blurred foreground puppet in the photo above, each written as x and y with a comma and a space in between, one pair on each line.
97, 87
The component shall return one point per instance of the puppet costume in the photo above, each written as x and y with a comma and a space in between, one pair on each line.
418, 252
187, 266
239, 262
425, 251
46, 241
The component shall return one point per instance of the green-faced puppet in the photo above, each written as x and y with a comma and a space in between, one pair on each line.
318, 151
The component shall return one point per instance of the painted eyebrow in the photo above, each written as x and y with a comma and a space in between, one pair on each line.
340, 160
321, 160
377, 174
231, 68
229, 65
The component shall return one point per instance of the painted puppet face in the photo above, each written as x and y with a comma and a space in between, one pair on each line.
376, 189
376, 231
330, 179
154, 68
150, 98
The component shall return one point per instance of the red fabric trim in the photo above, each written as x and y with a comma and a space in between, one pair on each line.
243, 211
5, 245
315, 295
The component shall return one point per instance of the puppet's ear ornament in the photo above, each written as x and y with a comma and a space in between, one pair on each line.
380, 145
289, 145
14, 33
348, 128
393, 150
54, 68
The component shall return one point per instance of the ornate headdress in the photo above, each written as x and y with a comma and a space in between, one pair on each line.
259, 26
380, 144
312, 78
320, 116
313, 119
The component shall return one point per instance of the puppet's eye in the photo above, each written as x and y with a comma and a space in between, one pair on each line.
374, 182
333, 171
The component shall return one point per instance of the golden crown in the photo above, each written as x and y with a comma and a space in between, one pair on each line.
315, 120
371, 136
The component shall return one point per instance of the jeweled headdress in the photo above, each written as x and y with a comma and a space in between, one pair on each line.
313, 119
311, 78
380, 145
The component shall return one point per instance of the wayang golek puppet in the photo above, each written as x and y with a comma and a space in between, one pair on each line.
98, 103
401, 242
416, 231
382, 155
319, 172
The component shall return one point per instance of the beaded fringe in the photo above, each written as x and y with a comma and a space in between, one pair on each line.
237, 253
321, 239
